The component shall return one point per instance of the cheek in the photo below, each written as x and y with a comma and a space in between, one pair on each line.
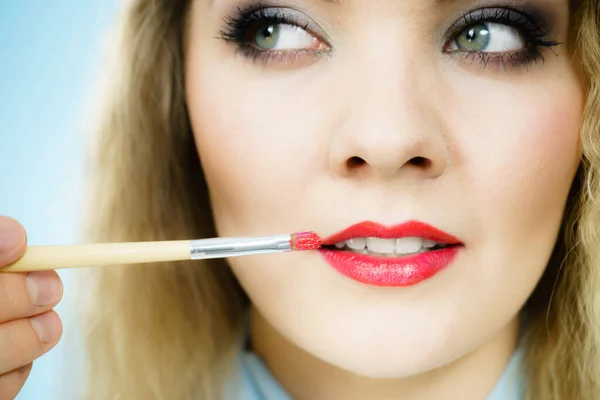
254, 144
517, 154
518, 149
530, 176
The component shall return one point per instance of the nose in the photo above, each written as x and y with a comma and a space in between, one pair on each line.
389, 127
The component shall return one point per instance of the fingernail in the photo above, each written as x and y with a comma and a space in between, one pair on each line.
12, 234
47, 326
44, 287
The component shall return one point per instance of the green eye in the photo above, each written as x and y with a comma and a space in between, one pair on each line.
474, 38
267, 36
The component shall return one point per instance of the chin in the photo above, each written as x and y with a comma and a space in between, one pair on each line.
377, 348
392, 364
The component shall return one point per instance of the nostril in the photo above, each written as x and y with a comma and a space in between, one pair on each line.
355, 162
419, 162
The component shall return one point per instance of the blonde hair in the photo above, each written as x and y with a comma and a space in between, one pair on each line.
169, 331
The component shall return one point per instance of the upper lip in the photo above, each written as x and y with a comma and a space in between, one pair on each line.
407, 229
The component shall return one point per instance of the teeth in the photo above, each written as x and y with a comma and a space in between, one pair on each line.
382, 246
389, 247
409, 245
357, 244
428, 244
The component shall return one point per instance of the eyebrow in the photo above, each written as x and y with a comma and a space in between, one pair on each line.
337, 2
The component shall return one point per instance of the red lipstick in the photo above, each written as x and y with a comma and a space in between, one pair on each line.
398, 271
304, 241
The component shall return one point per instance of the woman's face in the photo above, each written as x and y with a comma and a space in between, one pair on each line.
320, 114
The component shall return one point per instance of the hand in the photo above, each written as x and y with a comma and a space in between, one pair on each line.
28, 326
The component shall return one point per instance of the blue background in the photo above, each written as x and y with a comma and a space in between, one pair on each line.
50, 52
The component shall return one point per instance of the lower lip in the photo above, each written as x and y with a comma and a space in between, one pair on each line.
388, 271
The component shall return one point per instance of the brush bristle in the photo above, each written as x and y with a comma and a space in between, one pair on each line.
304, 241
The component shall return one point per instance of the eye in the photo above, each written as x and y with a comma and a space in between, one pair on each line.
278, 36
488, 37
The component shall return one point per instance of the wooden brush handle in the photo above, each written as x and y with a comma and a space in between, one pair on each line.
39, 258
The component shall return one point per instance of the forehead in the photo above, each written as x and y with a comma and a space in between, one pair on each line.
572, 5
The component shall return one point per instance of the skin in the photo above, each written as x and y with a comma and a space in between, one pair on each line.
29, 327
501, 148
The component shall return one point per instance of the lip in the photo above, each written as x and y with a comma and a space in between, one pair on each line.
400, 271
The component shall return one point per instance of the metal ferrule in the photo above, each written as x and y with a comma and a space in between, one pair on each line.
232, 247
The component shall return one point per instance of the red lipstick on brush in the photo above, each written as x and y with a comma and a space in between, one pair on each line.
437, 252
304, 241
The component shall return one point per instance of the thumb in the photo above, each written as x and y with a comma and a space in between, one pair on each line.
13, 241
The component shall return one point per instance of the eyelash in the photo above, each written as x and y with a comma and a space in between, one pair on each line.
239, 30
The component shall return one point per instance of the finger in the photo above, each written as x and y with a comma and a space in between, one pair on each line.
13, 241
25, 295
24, 340
12, 382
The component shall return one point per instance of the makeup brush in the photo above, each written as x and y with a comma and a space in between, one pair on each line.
39, 258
